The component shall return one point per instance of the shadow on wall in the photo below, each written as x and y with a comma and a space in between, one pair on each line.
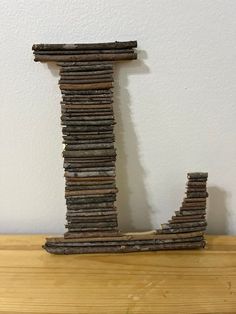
134, 212
54, 69
217, 212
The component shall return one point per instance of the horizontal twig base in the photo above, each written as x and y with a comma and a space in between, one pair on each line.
126, 242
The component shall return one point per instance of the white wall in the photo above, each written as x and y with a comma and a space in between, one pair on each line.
175, 107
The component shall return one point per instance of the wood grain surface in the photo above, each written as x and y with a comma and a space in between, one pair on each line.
195, 281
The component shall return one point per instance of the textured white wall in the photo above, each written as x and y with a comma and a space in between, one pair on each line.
175, 107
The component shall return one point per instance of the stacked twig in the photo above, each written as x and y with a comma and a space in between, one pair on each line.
89, 155
184, 231
149, 241
113, 51
86, 81
191, 216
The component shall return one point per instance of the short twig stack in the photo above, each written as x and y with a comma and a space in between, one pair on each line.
191, 216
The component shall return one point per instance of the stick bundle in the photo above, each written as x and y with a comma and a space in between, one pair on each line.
185, 230
89, 155
151, 241
85, 55
192, 213
87, 119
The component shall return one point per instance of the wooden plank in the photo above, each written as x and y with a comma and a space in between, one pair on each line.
202, 281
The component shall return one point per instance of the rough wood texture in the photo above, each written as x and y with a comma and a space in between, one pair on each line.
191, 216
129, 242
123, 248
86, 57
75, 54
84, 81
89, 155
88, 86
88, 69
111, 45
88, 120
88, 92
77, 51
92, 206
186, 282
84, 234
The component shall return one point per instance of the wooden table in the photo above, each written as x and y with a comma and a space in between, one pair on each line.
199, 281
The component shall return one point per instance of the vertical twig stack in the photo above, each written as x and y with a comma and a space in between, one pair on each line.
191, 216
86, 81
89, 155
